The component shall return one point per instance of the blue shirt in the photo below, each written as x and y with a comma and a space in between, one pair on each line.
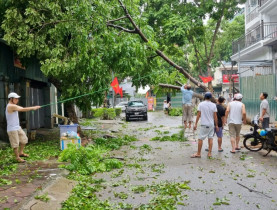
187, 95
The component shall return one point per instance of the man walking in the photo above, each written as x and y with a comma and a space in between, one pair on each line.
208, 113
236, 112
187, 105
17, 136
264, 110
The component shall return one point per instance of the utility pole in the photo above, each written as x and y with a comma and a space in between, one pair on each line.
113, 89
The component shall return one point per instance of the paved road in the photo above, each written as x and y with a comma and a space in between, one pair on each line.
225, 176
243, 180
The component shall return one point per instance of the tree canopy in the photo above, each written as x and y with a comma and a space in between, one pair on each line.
76, 50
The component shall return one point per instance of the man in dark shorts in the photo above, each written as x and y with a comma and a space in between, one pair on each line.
221, 121
264, 110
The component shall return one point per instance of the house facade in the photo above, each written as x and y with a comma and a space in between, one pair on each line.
256, 55
30, 84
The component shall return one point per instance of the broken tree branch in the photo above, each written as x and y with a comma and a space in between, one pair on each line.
121, 28
178, 83
111, 21
197, 95
159, 53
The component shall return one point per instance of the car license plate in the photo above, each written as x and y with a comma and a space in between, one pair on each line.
136, 113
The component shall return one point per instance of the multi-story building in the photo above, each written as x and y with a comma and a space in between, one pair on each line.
256, 54
226, 77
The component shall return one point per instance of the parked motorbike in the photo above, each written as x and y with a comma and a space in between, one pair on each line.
259, 139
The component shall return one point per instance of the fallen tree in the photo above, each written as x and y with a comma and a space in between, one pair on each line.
197, 95
137, 30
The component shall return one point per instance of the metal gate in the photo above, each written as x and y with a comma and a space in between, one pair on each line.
252, 87
36, 118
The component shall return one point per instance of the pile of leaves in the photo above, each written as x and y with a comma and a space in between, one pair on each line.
166, 195
38, 150
88, 160
175, 112
114, 143
175, 137
104, 113
92, 159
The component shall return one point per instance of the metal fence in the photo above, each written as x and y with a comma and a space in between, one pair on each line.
252, 87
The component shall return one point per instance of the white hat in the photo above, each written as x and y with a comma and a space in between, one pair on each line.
13, 95
238, 96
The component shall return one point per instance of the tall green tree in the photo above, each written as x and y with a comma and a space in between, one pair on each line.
76, 50
182, 23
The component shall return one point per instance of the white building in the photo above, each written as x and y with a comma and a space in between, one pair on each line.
227, 77
256, 54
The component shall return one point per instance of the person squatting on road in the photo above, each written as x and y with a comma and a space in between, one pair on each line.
187, 105
221, 121
264, 111
208, 113
236, 112
17, 136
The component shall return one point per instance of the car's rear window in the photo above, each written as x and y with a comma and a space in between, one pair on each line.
135, 103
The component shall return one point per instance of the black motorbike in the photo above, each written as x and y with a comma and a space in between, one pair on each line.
253, 141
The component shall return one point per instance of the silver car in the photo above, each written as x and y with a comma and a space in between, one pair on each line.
122, 105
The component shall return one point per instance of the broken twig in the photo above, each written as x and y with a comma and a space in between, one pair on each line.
251, 190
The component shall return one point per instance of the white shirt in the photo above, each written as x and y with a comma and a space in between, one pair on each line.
264, 105
235, 112
12, 121
207, 109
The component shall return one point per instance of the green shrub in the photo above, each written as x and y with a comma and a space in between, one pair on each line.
118, 111
114, 143
175, 112
104, 113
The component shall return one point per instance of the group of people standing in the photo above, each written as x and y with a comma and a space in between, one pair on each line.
214, 116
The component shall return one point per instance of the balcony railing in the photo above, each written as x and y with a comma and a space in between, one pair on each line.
252, 15
261, 32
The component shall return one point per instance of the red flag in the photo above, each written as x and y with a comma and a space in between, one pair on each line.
121, 92
147, 94
206, 79
115, 85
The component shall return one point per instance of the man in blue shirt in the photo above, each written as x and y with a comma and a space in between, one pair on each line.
187, 105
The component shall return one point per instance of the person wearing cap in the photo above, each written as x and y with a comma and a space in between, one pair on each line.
237, 116
264, 110
187, 94
207, 111
17, 136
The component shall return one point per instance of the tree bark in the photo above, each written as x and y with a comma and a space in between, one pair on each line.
197, 95
69, 107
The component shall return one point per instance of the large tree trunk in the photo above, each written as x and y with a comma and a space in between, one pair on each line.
197, 95
69, 106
